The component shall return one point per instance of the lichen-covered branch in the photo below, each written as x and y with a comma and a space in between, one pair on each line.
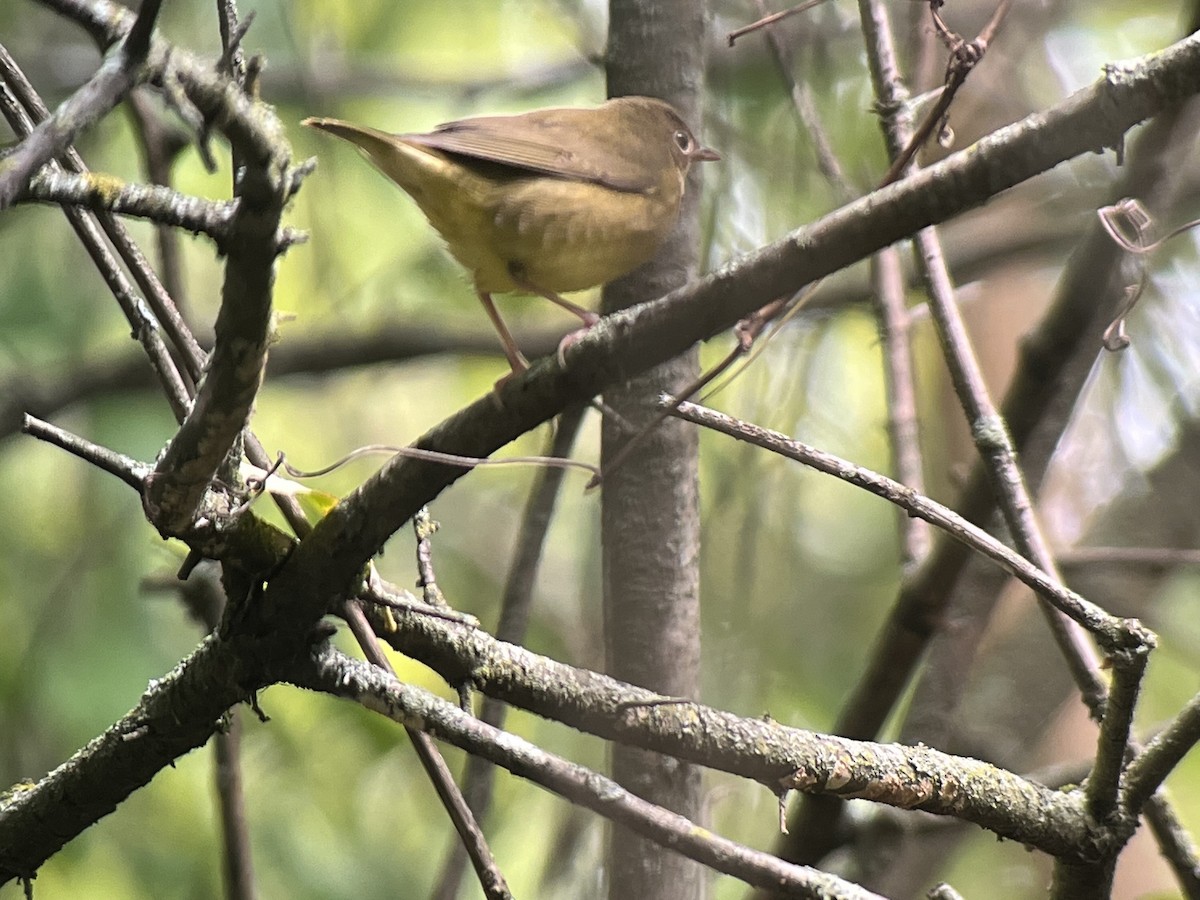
147, 201
375, 689
112, 81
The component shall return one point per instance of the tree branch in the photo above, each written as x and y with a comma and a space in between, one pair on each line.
1160, 757
177, 714
777, 756
332, 672
159, 204
112, 81
1114, 634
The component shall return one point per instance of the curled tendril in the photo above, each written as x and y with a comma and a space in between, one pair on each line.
1128, 223
449, 459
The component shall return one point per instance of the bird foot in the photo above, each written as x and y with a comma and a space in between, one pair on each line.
520, 366
571, 338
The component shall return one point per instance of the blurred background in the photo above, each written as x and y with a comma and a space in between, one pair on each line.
798, 570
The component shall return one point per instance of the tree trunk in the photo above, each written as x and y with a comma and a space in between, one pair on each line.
650, 508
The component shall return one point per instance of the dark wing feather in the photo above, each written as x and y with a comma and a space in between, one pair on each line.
556, 142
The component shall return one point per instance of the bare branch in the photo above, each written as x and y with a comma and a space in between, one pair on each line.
22, 107
490, 877
1112, 633
777, 756
159, 204
112, 81
130, 471
177, 714
1160, 757
336, 674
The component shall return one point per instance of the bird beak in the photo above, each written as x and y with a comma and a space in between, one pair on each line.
705, 154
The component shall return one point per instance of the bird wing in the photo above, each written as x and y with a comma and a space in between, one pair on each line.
555, 144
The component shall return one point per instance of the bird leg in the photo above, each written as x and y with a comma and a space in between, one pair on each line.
516, 359
589, 318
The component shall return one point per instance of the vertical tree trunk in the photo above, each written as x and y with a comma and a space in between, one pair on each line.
650, 507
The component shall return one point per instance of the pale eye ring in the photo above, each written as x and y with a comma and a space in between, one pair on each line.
684, 141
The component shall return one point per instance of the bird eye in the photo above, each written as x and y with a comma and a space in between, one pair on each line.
684, 141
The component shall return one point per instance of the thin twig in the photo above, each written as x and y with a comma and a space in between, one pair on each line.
424, 528
104, 90
338, 675
894, 318
515, 608
1160, 757
994, 443
747, 348
129, 470
164, 206
22, 107
491, 879
1115, 744
806, 109
161, 144
964, 57
1109, 631
160, 300
899, 383
233, 58
770, 20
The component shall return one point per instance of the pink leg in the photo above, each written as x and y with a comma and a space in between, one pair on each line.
515, 359
589, 318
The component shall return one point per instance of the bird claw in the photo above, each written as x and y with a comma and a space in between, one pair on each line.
509, 376
570, 339
520, 366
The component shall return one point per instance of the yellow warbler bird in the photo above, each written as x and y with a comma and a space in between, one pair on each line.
545, 202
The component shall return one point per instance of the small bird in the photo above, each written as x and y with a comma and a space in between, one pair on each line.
545, 202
